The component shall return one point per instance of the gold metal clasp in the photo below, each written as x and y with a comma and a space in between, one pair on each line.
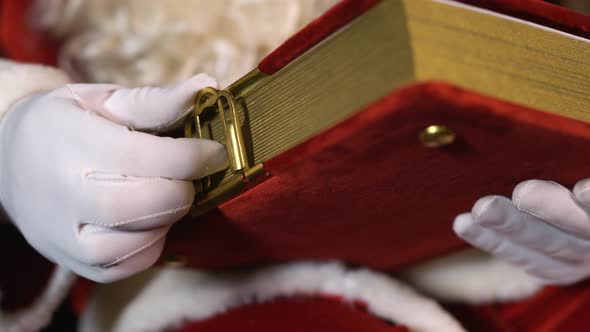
211, 102
208, 98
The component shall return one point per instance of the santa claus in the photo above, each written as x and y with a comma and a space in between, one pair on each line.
90, 186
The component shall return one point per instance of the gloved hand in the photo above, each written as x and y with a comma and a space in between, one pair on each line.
544, 230
89, 193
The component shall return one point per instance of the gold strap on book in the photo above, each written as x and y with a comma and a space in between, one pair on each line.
221, 104
207, 99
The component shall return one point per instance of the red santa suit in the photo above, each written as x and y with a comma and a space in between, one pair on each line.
290, 296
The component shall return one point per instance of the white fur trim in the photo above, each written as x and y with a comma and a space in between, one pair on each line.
164, 298
39, 314
154, 42
471, 276
18, 80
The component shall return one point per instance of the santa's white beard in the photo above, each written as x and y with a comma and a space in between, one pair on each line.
154, 42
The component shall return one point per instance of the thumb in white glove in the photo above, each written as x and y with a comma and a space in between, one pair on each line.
545, 230
87, 192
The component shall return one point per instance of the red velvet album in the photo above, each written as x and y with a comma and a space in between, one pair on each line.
367, 190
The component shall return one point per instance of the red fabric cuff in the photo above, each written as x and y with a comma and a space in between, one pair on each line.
19, 40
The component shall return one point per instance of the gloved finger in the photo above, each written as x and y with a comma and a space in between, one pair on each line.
145, 108
554, 204
498, 214
582, 192
545, 268
143, 155
104, 247
106, 273
134, 204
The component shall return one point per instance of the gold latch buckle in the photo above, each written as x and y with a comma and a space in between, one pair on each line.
208, 98
222, 102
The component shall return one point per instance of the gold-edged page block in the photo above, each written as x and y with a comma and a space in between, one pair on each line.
499, 56
354, 67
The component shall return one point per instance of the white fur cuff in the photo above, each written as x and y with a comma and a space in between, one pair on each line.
18, 80
472, 276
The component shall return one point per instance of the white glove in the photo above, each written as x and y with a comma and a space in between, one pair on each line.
89, 193
545, 229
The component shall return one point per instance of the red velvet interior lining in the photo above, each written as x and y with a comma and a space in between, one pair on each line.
297, 314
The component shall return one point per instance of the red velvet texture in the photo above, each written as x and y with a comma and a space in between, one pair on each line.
297, 314
368, 193
554, 309
536, 11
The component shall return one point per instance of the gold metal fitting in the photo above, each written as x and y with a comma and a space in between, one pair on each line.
208, 98
437, 136
210, 192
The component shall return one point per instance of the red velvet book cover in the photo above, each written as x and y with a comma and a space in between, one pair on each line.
359, 199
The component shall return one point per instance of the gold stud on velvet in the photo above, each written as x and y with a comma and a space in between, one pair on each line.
437, 136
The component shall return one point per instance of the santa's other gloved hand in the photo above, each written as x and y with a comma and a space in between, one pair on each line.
544, 229
89, 193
